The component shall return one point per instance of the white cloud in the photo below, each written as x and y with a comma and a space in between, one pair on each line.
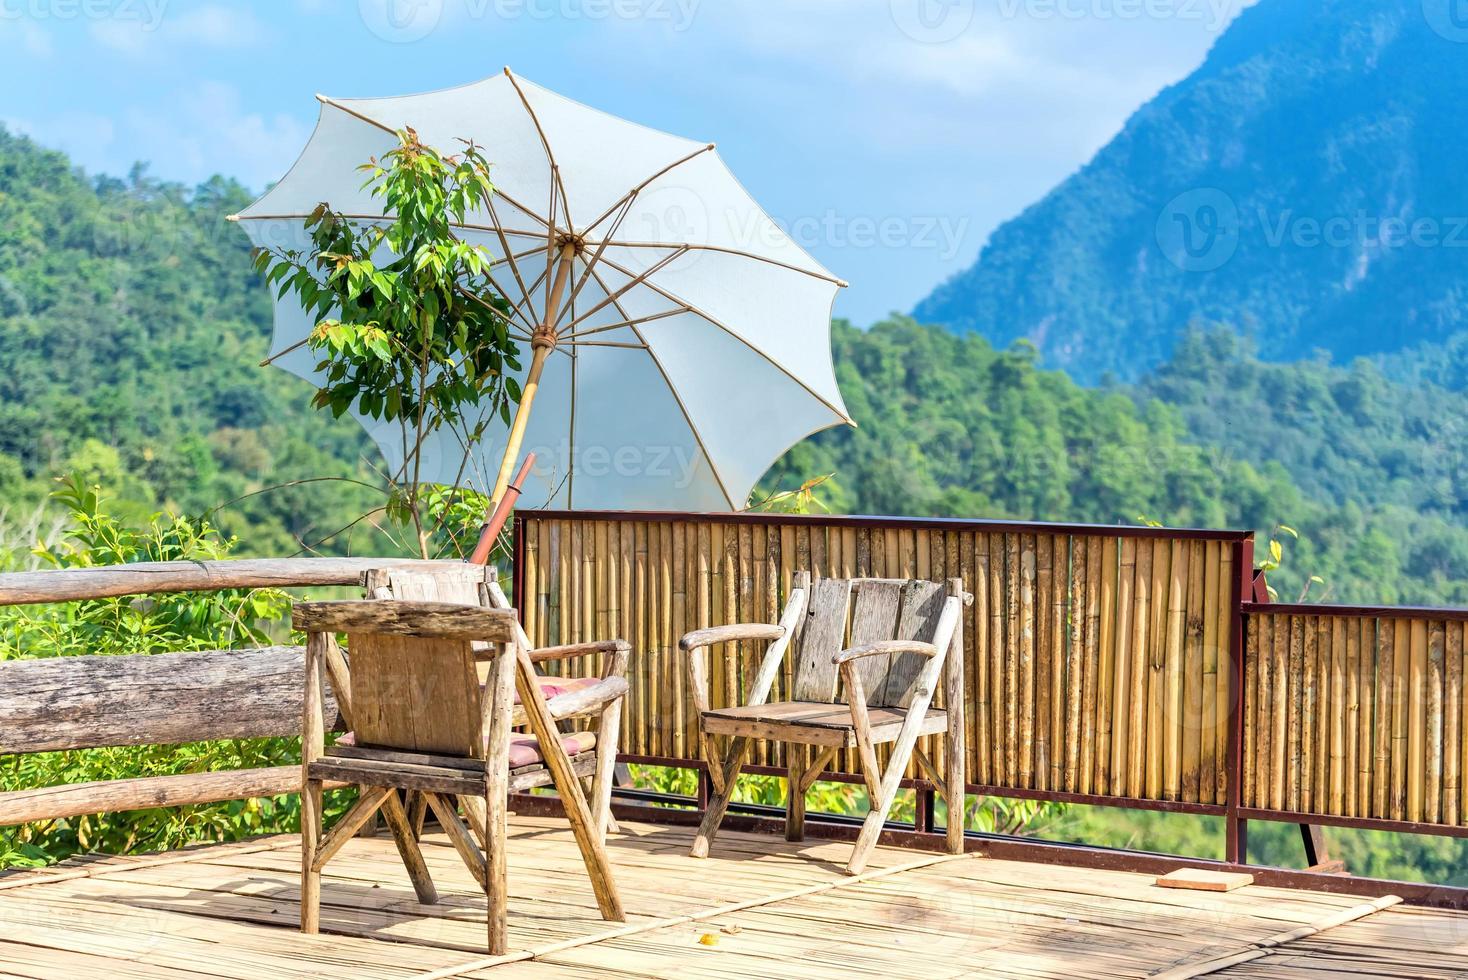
26, 36
210, 26
203, 132
207, 131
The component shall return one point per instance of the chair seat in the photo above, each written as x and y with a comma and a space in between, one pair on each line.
814, 722
524, 749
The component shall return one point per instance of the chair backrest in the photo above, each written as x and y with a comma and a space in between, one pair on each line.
414, 681
462, 584
843, 613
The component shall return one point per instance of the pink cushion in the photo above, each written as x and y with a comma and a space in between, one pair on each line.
525, 749
552, 687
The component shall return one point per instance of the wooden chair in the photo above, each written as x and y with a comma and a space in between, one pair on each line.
422, 722
901, 636
597, 699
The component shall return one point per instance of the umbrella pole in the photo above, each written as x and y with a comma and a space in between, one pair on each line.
543, 342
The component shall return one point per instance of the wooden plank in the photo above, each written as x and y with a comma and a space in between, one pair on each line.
156, 578
62, 703
873, 618
825, 630
146, 793
1197, 879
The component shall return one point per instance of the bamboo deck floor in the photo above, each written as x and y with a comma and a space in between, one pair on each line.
757, 907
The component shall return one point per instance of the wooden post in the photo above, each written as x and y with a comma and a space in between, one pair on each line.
543, 342
313, 744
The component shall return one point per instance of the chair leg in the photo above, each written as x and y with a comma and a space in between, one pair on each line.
719, 802
794, 797
496, 868
310, 843
417, 812
402, 834
956, 800
607, 730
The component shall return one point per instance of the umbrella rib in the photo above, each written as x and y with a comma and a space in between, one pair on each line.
571, 337
673, 298
510, 256
825, 277
635, 281
591, 264
687, 418
550, 155
627, 198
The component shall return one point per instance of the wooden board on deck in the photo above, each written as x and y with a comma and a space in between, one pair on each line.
1201, 880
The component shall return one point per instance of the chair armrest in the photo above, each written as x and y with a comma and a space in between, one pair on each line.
571, 651
588, 700
699, 639
885, 647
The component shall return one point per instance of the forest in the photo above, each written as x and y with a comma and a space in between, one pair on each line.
131, 330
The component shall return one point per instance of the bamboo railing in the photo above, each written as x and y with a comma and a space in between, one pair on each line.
1356, 714
1098, 658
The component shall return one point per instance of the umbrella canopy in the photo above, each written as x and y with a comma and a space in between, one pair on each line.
680, 339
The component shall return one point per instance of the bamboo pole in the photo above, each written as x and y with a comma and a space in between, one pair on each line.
1385, 659
1013, 574
1210, 706
1295, 718
983, 732
1229, 686
1253, 641
1279, 702
1173, 676
1106, 674
996, 655
1401, 713
1358, 722
1432, 803
641, 645
1157, 718
1338, 714
1026, 708
1140, 671
1123, 728
958, 560
1090, 686
1453, 742
1044, 657
1310, 741
1192, 677
1417, 721
1075, 659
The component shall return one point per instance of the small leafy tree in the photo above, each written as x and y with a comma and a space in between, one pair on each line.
409, 327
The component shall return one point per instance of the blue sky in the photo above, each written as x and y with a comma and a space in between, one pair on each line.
889, 137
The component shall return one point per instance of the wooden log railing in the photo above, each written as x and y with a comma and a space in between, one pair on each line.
1354, 716
1098, 658
64, 703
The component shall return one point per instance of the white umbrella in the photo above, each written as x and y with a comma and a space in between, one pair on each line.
681, 340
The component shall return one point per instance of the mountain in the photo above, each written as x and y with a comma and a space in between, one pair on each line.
1304, 185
